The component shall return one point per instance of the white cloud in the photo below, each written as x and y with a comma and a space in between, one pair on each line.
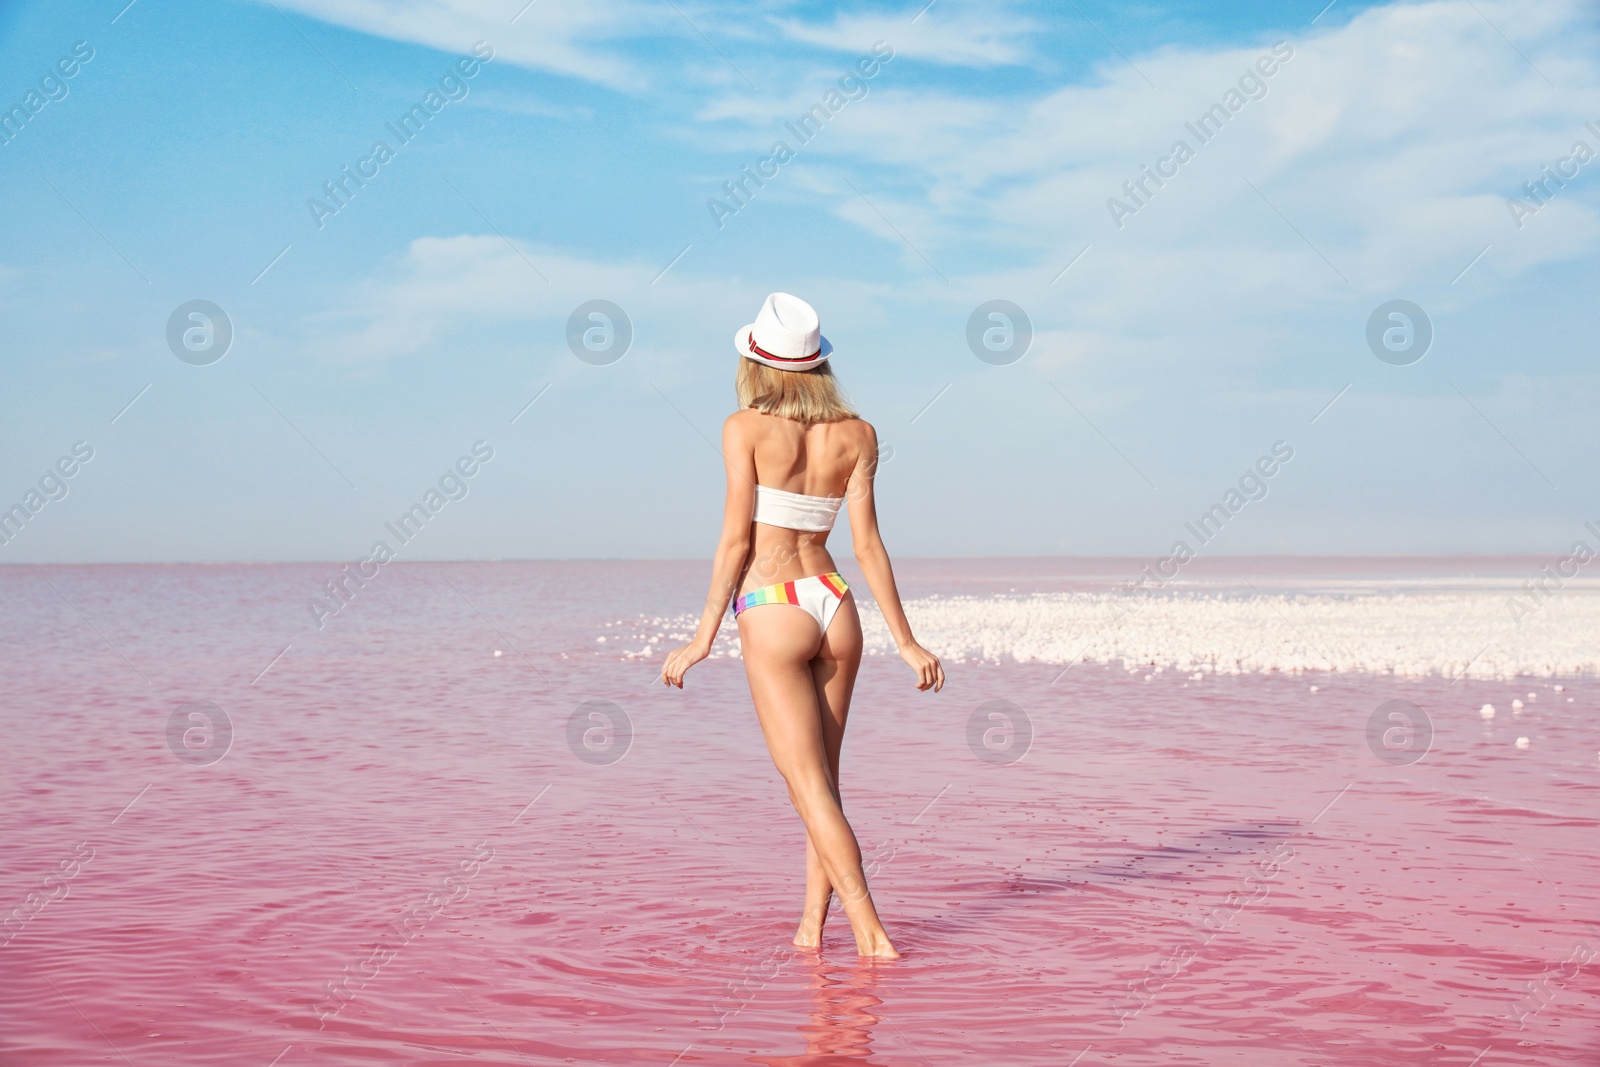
445, 287
1384, 147
564, 37
957, 35
612, 42
1382, 151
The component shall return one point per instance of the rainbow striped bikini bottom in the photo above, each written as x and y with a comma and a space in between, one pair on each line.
819, 596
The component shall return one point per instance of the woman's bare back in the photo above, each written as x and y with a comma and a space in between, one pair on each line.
817, 460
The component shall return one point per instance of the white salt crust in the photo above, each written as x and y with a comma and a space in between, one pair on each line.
1471, 631
1405, 634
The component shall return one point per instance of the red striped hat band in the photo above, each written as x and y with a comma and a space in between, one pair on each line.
758, 350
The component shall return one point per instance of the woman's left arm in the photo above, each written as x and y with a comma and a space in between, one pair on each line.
733, 546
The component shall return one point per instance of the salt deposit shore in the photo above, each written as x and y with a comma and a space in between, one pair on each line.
1374, 631
1450, 617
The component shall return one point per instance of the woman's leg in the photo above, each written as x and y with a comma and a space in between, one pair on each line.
778, 644
833, 674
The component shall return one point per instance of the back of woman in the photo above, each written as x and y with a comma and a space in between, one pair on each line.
794, 453
816, 460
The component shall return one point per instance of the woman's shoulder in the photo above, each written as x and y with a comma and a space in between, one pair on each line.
750, 422
858, 428
852, 440
746, 420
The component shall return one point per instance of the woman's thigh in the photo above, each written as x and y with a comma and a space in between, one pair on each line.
778, 643
833, 674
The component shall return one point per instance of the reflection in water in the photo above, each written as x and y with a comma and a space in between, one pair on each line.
842, 1017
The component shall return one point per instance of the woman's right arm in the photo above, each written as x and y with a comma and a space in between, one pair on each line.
874, 561
732, 548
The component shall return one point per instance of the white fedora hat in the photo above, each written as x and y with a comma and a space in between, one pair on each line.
786, 335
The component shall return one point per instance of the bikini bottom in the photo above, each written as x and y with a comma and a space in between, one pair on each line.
820, 596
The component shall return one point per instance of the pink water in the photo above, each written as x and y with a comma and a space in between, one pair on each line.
638, 911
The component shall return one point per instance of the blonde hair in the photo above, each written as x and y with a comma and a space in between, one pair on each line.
806, 395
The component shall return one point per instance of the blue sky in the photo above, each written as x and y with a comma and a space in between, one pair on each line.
1169, 352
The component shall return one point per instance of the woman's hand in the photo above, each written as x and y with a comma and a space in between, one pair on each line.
679, 660
930, 673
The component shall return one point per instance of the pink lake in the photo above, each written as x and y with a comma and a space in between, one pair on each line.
1222, 869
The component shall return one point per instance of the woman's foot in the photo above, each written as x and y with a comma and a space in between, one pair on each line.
877, 947
809, 933
871, 938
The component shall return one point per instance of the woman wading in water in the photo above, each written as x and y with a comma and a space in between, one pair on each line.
794, 453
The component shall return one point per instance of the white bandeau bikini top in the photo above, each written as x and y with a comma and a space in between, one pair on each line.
796, 511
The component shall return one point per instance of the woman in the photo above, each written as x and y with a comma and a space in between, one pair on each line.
794, 453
